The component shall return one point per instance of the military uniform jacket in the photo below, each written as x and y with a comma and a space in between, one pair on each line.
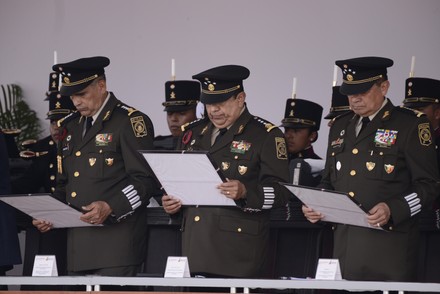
233, 241
393, 160
41, 174
105, 166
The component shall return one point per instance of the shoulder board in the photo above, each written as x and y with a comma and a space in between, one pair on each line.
127, 109
342, 115
268, 125
192, 124
11, 132
409, 111
62, 122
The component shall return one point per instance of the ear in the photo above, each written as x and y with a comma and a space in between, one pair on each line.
384, 86
313, 136
241, 97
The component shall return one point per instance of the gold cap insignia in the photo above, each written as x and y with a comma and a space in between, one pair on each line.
211, 87
66, 80
92, 161
370, 165
349, 78
172, 95
109, 161
242, 169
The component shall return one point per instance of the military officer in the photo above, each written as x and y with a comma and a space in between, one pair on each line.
181, 98
423, 94
103, 174
232, 241
374, 156
339, 105
40, 176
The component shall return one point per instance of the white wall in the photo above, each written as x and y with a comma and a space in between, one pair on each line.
276, 39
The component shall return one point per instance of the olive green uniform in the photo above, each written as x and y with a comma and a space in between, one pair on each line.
393, 161
105, 166
233, 241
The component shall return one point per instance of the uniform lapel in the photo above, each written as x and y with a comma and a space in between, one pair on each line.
98, 124
235, 129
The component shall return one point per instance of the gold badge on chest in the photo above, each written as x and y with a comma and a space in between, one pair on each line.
225, 165
242, 169
389, 168
370, 165
109, 161
92, 161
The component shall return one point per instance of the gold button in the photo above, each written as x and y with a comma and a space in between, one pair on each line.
100, 151
351, 194
76, 174
52, 189
380, 153
52, 177
73, 194
78, 153
352, 172
235, 157
333, 154
239, 230
196, 218
51, 165
355, 151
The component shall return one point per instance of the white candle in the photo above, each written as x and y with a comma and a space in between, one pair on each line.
55, 57
413, 62
335, 75
173, 69
294, 88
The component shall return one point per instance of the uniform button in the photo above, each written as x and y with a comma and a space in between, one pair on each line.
351, 194
196, 218
333, 154
239, 230
390, 228
51, 165
52, 189
355, 151
380, 153
352, 172
78, 153
76, 174
235, 157
100, 151
73, 194
52, 177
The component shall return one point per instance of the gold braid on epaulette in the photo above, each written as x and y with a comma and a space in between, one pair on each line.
130, 110
191, 124
62, 122
410, 110
269, 126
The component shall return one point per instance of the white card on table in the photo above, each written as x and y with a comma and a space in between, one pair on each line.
45, 266
177, 267
328, 269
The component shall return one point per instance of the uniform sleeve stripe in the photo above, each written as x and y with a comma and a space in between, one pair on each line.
416, 209
410, 197
131, 194
127, 189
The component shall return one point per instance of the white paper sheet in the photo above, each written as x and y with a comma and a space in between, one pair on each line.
335, 206
45, 207
191, 177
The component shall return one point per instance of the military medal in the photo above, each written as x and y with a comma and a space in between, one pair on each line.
109, 161
225, 165
242, 169
385, 138
370, 165
92, 161
389, 168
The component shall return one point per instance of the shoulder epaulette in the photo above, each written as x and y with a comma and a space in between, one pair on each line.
268, 125
192, 124
342, 115
129, 110
409, 111
11, 132
62, 122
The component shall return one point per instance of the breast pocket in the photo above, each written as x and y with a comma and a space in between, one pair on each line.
382, 164
242, 165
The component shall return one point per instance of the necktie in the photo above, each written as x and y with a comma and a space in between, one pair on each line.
365, 121
220, 134
89, 122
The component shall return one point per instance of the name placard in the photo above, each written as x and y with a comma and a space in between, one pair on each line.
45, 266
177, 267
